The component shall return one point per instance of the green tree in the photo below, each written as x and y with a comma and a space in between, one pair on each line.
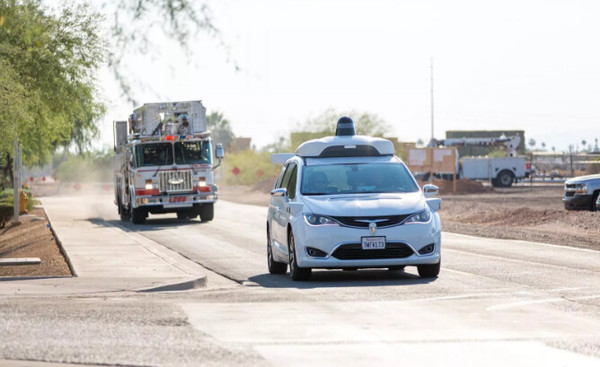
325, 124
48, 62
220, 128
364, 123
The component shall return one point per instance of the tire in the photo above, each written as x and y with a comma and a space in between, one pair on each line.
504, 179
183, 215
207, 212
123, 213
138, 215
594, 207
275, 267
429, 270
297, 273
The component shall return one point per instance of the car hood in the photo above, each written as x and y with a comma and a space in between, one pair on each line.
582, 179
365, 205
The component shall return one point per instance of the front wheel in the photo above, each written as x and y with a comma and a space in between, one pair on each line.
123, 213
296, 272
138, 215
183, 215
207, 212
595, 202
275, 267
429, 270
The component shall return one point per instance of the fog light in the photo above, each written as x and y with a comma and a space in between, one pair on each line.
311, 251
427, 249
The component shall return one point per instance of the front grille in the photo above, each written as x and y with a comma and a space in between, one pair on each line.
175, 181
354, 251
363, 222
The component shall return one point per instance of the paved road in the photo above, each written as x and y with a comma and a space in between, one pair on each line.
495, 303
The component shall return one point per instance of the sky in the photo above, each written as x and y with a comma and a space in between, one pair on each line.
529, 65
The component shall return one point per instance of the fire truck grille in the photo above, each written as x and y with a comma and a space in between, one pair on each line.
175, 181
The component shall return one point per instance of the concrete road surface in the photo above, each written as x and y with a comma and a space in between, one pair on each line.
495, 303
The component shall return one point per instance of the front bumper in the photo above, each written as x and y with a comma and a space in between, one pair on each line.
578, 202
411, 238
173, 203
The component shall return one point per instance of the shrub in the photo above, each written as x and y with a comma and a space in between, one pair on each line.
253, 167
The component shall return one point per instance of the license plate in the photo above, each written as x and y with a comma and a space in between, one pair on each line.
373, 243
177, 199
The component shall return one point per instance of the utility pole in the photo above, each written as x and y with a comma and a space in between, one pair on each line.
432, 99
16, 181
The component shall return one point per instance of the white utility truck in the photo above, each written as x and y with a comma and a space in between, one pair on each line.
500, 171
163, 162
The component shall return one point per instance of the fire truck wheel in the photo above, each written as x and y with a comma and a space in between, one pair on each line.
123, 213
138, 215
207, 212
183, 215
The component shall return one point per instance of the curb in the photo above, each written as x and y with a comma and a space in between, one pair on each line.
177, 287
60, 246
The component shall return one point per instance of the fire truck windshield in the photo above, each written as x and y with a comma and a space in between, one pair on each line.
192, 152
154, 154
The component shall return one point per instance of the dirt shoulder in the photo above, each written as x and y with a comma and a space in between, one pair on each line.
526, 213
31, 238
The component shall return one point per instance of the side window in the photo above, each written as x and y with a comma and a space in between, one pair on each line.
286, 176
279, 179
291, 185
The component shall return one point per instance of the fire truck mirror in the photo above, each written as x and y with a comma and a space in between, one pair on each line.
220, 151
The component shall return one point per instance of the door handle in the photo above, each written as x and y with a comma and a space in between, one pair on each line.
288, 210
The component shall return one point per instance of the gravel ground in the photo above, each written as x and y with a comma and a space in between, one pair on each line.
523, 213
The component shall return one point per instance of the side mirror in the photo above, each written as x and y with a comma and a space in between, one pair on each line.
281, 192
130, 158
430, 190
220, 153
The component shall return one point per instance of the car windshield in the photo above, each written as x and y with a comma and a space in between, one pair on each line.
192, 152
356, 178
154, 154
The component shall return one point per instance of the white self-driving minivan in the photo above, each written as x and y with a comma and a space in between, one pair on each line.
347, 202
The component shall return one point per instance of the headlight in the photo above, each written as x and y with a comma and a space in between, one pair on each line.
580, 188
150, 185
421, 217
319, 220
